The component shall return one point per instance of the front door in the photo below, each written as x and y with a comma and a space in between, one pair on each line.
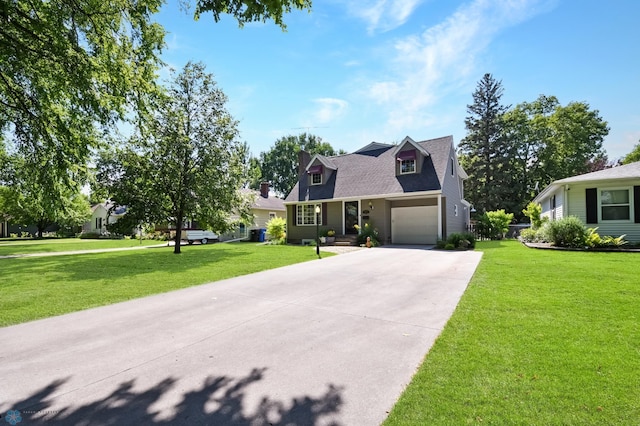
350, 217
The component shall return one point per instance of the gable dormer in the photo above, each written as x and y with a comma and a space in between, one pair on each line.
319, 170
409, 157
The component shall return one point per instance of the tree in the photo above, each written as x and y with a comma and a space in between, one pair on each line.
280, 164
69, 68
483, 152
633, 156
547, 142
189, 165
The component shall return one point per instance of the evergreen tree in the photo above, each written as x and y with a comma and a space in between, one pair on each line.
484, 153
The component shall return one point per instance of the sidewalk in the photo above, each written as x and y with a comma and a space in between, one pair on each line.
66, 253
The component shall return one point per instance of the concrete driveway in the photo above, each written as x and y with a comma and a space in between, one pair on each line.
327, 342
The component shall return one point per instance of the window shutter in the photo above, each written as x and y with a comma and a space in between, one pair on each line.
636, 203
294, 215
324, 214
591, 197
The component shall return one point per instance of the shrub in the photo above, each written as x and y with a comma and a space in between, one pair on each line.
528, 235
440, 244
449, 246
594, 240
463, 240
567, 232
533, 212
89, 235
494, 225
276, 228
368, 231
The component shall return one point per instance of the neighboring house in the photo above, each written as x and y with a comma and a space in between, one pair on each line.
411, 192
100, 217
607, 199
263, 207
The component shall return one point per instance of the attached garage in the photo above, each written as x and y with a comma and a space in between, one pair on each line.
414, 225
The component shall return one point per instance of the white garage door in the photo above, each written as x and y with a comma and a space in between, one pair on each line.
414, 225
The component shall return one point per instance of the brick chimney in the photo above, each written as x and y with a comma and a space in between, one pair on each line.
303, 161
264, 189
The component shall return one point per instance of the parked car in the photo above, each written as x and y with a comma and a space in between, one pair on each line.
200, 235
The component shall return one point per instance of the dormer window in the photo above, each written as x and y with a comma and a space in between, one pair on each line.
407, 161
407, 166
315, 173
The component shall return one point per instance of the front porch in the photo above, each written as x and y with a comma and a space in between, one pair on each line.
398, 220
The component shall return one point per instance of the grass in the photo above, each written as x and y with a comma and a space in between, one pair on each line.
33, 288
65, 244
539, 338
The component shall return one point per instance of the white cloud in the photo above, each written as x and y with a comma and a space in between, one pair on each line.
383, 15
328, 110
425, 67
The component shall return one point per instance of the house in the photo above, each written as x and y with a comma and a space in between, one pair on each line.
411, 192
607, 199
264, 207
101, 217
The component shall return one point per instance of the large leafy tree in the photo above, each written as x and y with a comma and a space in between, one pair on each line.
189, 165
483, 152
69, 65
73, 69
26, 201
279, 165
547, 142
633, 156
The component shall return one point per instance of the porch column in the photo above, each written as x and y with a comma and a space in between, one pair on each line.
439, 216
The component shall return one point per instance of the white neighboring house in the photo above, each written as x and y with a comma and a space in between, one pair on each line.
607, 199
100, 217
264, 207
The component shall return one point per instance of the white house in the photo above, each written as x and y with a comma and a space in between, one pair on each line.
607, 199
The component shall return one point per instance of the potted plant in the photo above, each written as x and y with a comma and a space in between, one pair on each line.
331, 236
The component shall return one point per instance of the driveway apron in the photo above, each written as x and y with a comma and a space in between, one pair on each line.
327, 342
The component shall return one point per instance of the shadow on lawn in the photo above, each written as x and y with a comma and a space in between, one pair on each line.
123, 264
218, 401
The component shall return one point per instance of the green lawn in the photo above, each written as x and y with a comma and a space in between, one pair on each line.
38, 287
65, 244
539, 338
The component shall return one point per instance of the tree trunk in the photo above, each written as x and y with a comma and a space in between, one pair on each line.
176, 248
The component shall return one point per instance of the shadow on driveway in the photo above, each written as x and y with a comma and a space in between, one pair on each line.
220, 400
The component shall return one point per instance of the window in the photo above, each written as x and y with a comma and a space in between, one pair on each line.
306, 214
452, 168
316, 179
615, 204
407, 166
455, 210
272, 215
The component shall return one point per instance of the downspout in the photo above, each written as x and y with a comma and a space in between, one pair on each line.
439, 216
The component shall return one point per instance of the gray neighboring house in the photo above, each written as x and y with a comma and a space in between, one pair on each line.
607, 199
411, 192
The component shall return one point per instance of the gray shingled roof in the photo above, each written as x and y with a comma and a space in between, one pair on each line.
261, 203
627, 171
372, 173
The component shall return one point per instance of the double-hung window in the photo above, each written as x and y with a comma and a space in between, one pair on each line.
306, 214
407, 166
615, 204
316, 179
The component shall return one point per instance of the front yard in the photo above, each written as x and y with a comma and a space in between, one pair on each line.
539, 338
32, 288
10, 247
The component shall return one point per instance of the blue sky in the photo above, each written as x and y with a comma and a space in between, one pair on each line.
353, 72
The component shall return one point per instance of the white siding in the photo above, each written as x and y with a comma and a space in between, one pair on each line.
577, 206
